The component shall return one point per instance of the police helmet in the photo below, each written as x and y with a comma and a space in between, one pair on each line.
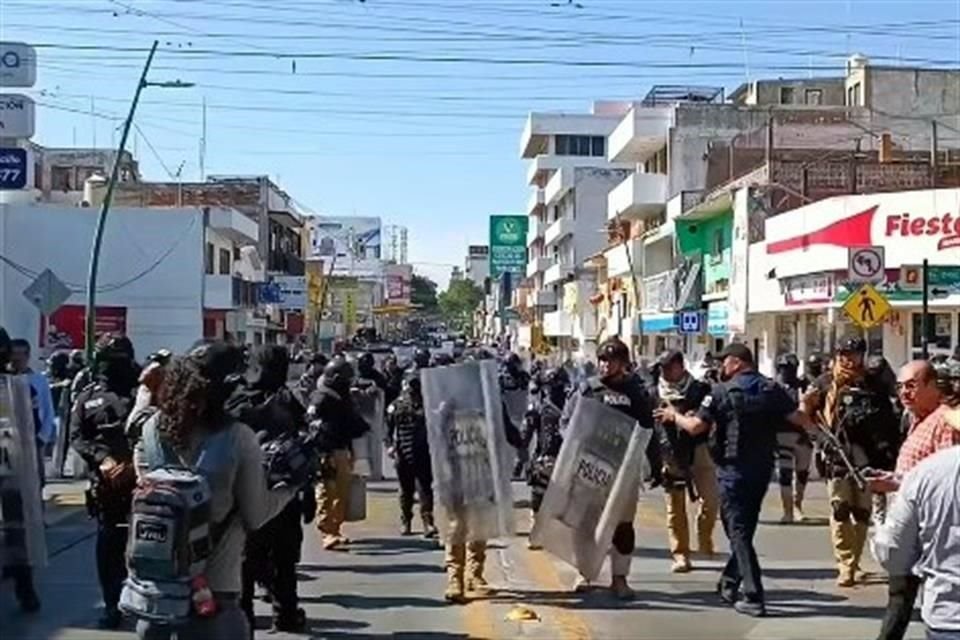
338, 374
421, 357
366, 362
853, 345
613, 349
557, 377
788, 361
513, 361
412, 381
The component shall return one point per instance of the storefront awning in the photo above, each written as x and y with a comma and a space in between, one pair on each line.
658, 322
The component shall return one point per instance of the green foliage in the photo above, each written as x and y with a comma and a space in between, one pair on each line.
458, 303
423, 292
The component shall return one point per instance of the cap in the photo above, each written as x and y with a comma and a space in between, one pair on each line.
852, 345
669, 357
737, 350
218, 361
613, 349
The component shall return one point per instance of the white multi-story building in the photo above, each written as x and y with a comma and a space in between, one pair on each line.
476, 267
570, 177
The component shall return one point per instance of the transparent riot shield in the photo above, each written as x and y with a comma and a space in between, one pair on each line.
22, 537
368, 450
596, 475
469, 452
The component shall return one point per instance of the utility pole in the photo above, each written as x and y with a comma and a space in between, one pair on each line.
934, 161
925, 313
91, 313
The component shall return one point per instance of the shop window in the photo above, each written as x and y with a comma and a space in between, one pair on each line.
939, 334
817, 331
225, 262
786, 335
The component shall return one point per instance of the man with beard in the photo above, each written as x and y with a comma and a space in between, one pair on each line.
619, 389
739, 413
794, 448
687, 468
542, 424
268, 406
855, 407
332, 406
98, 428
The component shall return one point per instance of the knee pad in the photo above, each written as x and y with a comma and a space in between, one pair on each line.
624, 538
861, 516
841, 512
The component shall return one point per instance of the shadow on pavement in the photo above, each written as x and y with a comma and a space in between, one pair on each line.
808, 521
822, 573
392, 546
395, 635
358, 601
781, 603
408, 567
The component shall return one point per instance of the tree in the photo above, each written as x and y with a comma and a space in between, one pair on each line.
458, 303
423, 292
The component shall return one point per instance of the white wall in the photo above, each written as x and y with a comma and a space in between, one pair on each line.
163, 304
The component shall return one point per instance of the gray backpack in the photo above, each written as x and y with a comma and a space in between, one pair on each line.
171, 533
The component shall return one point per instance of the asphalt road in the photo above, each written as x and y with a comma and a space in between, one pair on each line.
386, 586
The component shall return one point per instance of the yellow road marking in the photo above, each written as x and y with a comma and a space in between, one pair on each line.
478, 620
569, 623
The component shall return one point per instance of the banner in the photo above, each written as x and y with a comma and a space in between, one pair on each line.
352, 245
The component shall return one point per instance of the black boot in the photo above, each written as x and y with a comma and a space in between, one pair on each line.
429, 528
405, 527
110, 619
23, 588
290, 622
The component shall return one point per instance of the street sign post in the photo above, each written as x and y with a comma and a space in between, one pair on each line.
47, 293
18, 64
865, 264
867, 307
17, 116
508, 246
690, 322
13, 168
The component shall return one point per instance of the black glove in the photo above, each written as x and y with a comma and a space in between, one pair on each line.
308, 503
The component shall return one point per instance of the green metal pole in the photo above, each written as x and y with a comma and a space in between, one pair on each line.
91, 319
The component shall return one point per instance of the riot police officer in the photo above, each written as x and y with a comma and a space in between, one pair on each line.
332, 406
268, 406
393, 375
515, 385
855, 407
739, 412
367, 369
813, 368
687, 468
542, 426
421, 358
618, 388
794, 448
406, 442
98, 428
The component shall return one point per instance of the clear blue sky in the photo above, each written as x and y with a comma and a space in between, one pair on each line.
411, 110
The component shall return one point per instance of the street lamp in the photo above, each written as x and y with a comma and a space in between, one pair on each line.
91, 319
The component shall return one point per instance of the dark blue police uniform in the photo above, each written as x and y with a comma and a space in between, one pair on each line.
744, 413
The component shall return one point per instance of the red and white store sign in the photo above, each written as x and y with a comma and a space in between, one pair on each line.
910, 225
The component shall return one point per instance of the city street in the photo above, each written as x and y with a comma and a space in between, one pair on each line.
391, 587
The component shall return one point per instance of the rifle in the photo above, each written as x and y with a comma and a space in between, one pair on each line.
830, 441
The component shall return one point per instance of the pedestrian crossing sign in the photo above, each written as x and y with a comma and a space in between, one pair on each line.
867, 306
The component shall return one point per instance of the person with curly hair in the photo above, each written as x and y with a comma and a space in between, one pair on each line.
190, 411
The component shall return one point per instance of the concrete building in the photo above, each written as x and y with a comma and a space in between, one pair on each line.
476, 267
276, 250
570, 177
152, 283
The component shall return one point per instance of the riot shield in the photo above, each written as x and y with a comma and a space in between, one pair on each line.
516, 401
22, 537
469, 452
368, 450
596, 475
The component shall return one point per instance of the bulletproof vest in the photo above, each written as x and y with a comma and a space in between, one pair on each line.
866, 425
610, 397
744, 430
105, 416
549, 439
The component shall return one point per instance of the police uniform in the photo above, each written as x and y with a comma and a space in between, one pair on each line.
407, 434
687, 468
860, 414
794, 448
742, 413
542, 426
629, 396
97, 423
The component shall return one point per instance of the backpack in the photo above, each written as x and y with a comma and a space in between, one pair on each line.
171, 534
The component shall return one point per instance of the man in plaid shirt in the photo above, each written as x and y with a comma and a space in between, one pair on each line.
932, 397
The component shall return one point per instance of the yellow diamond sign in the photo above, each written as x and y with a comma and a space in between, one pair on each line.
866, 306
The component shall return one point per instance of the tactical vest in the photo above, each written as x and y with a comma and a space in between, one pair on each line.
745, 430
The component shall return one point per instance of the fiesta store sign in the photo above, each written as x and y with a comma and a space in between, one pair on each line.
910, 225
